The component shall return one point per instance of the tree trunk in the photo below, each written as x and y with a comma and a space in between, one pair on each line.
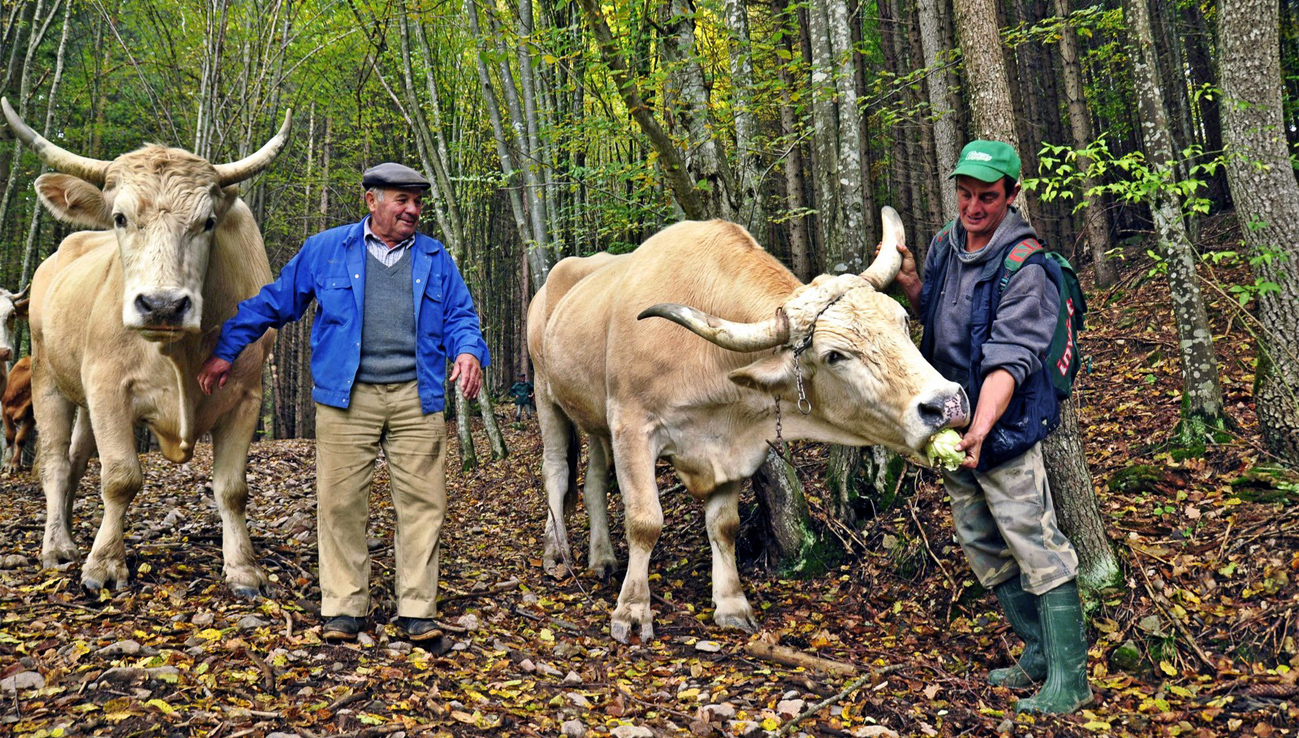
468, 458
825, 124
1095, 221
493, 431
1076, 507
1267, 200
987, 86
748, 171
947, 144
790, 131
784, 509
1202, 408
29, 247
852, 219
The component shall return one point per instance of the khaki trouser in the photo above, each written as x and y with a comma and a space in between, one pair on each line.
1005, 522
347, 444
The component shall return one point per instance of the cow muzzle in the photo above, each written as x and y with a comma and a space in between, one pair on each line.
163, 314
948, 407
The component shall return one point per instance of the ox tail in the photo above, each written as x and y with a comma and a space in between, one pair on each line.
573, 452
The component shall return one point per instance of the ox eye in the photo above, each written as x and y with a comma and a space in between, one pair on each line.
834, 357
119, 220
210, 223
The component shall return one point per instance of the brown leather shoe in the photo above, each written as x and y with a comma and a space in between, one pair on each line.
341, 628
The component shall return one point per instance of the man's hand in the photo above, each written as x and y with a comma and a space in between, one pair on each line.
470, 373
994, 397
213, 375
908, 277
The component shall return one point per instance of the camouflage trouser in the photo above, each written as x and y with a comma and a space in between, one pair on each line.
1005, 522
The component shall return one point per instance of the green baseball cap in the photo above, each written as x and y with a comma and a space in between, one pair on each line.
987, 161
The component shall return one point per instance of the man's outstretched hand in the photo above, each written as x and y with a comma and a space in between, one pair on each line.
213, 375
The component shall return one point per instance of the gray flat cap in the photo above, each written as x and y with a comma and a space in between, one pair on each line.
392, 174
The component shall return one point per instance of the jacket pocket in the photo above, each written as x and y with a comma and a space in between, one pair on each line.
337, 304
431, 309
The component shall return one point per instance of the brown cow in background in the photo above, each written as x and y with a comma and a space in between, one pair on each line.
16, 406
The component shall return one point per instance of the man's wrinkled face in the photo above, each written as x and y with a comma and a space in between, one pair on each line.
982, 205
394, 213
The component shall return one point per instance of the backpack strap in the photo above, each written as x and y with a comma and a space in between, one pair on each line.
1015, 259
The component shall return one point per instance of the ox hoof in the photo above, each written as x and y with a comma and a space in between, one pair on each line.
99, 575
52, 558
624, 620
245, 592
738, 621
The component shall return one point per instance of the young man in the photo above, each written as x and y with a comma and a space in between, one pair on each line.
993, 339
391, 307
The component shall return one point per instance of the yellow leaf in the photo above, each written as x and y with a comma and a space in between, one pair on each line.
144, 569
162, 705
1096, 725
546, 635
1167, 668
209, 634
770, 723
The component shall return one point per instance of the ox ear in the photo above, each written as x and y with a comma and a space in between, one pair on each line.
20, 307
73, 200
229, 194
772, 374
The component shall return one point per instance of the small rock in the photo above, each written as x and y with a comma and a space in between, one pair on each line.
251, 622
572, 729
789, 709
460, 646
724, 711
708, 646
699, 727
13, 561
173, 518
278, 734
203, 619
400, 647
121, 648
476, 529
374, 543
122, 675
572, 677
530, 598
469, 621
365, 639
578, 699
790, 695
744, 728
163, 673
631, 731
1006, 726
564, 649
527, 665
23, 680
547, 669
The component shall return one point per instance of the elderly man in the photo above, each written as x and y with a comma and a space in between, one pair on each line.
990, 333
391, 307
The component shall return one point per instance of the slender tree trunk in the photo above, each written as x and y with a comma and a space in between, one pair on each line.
493, 431
852, 219
33, 225
468, 457
1267, 199
790, 131
1202, 407
748, 172
825, 124
1095, 221
40, 26
947, 144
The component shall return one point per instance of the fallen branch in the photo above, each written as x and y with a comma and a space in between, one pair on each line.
791, 657
505, 586
860, 682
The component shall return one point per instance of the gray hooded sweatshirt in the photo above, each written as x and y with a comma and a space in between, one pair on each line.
1026, 317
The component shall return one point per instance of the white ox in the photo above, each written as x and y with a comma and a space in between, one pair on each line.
122, 319
649, 390
12, 307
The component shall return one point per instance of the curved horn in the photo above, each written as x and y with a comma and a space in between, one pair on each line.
238, 171
742, 337
888, 261
16, 295
58, 159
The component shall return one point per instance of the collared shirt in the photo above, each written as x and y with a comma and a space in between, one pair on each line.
380, 250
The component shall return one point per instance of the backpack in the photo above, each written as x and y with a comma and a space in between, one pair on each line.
1063, 356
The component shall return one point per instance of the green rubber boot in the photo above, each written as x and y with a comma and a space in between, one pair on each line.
1065, 646
1021, 610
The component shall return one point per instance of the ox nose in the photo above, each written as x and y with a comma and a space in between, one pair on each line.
162, 309
946, 410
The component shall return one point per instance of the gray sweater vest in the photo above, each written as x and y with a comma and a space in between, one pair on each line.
388, 326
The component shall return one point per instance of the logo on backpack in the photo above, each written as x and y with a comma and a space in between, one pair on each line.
1063, 356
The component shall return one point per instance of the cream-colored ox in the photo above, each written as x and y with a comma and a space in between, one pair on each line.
12, 307
122, 319
644, 390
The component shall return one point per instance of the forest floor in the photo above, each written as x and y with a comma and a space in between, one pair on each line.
1200, 641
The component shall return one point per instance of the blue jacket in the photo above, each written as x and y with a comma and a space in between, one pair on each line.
330, 267
1034, 410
